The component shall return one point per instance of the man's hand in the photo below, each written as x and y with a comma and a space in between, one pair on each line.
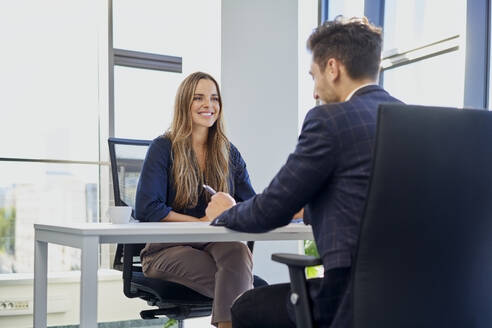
218, 204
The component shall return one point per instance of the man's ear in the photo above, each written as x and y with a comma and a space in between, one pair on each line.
332, 69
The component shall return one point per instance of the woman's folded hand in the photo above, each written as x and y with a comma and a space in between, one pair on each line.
205, 219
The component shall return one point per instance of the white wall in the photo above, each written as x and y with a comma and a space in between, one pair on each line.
308, 20
259, 86
64, 296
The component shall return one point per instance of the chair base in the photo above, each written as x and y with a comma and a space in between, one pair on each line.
177, 313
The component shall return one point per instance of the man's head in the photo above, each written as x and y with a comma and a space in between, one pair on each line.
345, 52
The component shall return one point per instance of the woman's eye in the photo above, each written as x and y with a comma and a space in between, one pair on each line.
215, 98
197, 98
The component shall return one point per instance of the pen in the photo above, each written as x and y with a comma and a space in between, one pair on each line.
209, 189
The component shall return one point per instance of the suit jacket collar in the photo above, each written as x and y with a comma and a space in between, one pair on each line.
367, 89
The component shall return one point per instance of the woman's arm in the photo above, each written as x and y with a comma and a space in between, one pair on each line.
243, 189
151, 203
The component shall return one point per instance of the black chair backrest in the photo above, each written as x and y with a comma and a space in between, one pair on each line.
127, 157
425, 248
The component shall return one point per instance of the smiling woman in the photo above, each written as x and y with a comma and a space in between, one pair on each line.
197, 136
193, 152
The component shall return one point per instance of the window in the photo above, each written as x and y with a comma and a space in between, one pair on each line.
347, 8
43, 193
49, 154
49, 81
416, 83
424, 51
54, 76
144, 99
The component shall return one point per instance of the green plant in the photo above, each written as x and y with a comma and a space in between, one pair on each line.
170, 323
7, 230
311, 249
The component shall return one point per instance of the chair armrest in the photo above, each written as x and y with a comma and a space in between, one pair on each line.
298, 290
296, 260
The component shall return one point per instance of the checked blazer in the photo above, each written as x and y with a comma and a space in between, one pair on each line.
328, 175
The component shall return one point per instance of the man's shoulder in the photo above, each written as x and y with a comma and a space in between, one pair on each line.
372, 96
367, 98
360, 110
332, 111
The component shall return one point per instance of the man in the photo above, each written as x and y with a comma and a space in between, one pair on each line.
327, 175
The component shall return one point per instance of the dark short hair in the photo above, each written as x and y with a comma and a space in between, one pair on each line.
355, 42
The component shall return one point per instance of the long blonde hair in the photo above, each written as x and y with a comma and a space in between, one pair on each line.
188, 177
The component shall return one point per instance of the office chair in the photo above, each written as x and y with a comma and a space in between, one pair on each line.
423, 256
172, 299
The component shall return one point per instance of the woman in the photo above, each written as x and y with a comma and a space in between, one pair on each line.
195, 151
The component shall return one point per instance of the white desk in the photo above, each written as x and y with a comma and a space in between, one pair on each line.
88, 236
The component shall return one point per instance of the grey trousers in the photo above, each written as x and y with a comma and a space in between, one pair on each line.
222, 271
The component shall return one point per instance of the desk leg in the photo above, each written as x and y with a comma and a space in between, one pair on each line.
40, 283
88, 282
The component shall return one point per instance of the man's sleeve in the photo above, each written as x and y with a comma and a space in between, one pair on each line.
297, 182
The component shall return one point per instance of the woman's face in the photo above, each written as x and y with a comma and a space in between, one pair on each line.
205, 106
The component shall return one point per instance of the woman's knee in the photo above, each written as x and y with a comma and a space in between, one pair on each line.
232, 252
238, 250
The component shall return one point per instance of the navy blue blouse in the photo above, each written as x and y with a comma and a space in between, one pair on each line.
155, 190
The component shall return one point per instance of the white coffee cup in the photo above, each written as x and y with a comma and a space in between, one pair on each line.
119, 214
